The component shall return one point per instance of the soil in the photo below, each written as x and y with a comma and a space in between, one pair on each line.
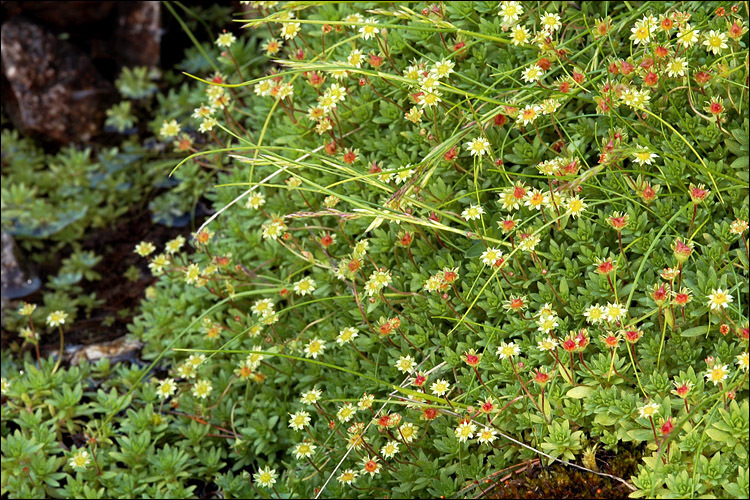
558, 481
119, 295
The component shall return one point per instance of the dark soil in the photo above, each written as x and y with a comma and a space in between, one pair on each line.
558, 481
120, 296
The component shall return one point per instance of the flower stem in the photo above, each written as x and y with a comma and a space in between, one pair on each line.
60, 352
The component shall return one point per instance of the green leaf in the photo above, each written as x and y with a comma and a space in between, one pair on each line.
694, 332
606, 419
580, 392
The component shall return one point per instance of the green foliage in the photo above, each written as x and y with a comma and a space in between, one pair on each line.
409, 296
120, 116
136, 82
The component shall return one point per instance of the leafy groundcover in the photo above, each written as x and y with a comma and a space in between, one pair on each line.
449, 239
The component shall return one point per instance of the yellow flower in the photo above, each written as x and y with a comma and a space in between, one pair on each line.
57, 318
225, 40
510, 11
440, 387
144, 248
508, 350
465, 431
289, 30
299, 420
202, 389
27, 309
576, 206
649, 410
348, 476
79, 460
719, 299
265, 477
369, 30
519, 35
166, 388
717, 373
169, 129
315, 347
715, 41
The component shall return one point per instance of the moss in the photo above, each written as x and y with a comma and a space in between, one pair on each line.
559, 481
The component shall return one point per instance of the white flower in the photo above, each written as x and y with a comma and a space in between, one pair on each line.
403, 174
649, 410
743, 361
348, 476
473, 212
615, 311
594, 314
487, 435
369, 30
507, 350
346, 335
575, 206
429, 99
443, 68
315, 347
169, 129
289, 30
551, 22
207, 125
408, 432
79, 460
405, 364
719, 299
255, 200
718, 373
440, 387
688, 36
547, 344
677, 67
262, 307
262, 89
265, 477
174, 245
519, 35
225, 40
490, 256
715, 41
643, 156
641, 32
346, 412
166, 388
478, 147
390, 449
304, 286
303, 450
202, 389
311, 397
528, 114
532, 74
510, 11
355, 58
465, 431
299, 420
57, 318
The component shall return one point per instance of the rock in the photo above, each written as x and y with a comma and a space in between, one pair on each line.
54, 89
119, 349
61, 14
15, 282
138, 33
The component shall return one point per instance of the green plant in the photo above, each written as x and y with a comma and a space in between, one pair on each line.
446, 242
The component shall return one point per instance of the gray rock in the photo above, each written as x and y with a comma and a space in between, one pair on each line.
15, 282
